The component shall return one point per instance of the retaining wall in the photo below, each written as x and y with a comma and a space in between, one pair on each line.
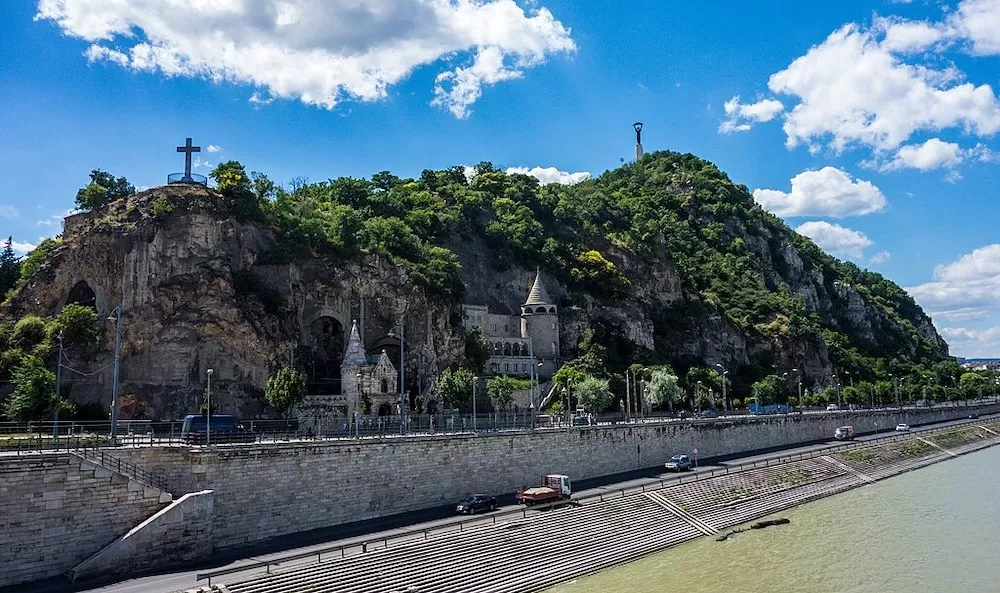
57, 510
179, 533
268, 490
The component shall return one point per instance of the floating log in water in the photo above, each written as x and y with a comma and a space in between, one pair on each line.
758, 525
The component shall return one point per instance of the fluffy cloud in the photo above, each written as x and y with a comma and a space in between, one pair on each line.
740, 116
967, 288
835, 239
826, 192
319, 51
979, 22
547, 175
932, 154
853, 90
876, 87
880, 258
972, 342
213, 148
8, 212
21, 247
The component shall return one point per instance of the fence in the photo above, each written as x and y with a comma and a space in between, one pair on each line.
38, 436
362, 544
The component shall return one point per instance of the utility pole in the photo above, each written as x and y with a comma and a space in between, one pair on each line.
402, 381
531, 381
55, 426
208, 413
117, 318
475, 382
725, 400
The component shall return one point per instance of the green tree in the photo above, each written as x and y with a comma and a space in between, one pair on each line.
851, 395
285, 389
593, 393
36, 258
455, 386
79, 326
103, 189
10, 268
501, 390
34, 396
477, 349
769, 390
972, 384
664, 389
29, 331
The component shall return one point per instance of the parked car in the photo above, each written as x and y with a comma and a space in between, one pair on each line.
225, 429
678, 463
844, 433
902, 427
974, 415
832, 407
476, 503
709, 413
581, 421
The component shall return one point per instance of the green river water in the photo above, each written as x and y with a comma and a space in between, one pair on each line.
932, 530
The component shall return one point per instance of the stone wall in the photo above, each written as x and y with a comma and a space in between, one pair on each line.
179, 533
57, 510
268, 490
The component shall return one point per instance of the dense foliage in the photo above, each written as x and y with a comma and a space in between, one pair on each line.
103, 189
10, 268
285, 389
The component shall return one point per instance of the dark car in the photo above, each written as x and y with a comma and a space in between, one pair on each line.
974, 415
476, 503
225, 429
678, 463
709, 413
581, 421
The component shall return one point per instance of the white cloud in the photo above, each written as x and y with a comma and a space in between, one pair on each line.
826, 192
979, 22
22, 247
908, 36
547, 175
854, 90
320, 52
973, 342
56, 219
258, 100
198, 163
740, 116
835, 239
967, 288
213, 148
880, 258
8, 212
932, 154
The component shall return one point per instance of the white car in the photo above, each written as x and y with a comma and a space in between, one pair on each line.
902, 427
832, 407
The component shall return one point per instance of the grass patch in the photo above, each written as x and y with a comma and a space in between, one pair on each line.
732, 493
793, 476
913, 448
954, 438
860, 455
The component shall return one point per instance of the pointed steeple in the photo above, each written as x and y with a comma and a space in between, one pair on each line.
355, 354
538, 295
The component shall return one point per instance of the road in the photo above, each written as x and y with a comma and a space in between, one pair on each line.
352, 535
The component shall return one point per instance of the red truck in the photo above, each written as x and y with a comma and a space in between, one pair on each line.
555, 487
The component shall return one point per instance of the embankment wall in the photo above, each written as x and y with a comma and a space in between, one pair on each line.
57, 510
267, 490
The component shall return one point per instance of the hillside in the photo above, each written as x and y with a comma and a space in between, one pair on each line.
663, 261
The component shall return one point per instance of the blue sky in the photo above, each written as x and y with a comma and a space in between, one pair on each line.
871, 126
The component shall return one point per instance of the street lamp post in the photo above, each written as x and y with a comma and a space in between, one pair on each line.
55, 425
697, 391
799, 375
475, 382
208, 413
116, 316
402, 377
725, 399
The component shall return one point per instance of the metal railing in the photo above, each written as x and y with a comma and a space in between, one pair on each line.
125, 468
362, 544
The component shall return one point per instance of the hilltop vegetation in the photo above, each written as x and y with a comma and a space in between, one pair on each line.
602, 240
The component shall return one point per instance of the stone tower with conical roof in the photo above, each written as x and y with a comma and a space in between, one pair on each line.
355, 359
540, 321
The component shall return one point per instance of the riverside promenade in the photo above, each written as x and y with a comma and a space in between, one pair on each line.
518, 554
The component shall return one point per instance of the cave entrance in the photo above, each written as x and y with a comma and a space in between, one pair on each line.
327, 340
82, 294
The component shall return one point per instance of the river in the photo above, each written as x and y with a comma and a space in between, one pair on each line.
933, 530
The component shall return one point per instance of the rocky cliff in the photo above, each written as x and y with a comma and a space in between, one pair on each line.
661, 261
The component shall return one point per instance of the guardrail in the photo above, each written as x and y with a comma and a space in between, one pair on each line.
123, 467
341, 550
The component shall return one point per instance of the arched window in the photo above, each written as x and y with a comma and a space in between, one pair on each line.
497, 349
506, 349
552, 310
385, 385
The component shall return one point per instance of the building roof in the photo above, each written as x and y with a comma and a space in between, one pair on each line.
538, 295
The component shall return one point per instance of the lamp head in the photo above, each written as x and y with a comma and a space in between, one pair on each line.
210, 371
637, 126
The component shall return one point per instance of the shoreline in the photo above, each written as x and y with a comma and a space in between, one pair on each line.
538, 552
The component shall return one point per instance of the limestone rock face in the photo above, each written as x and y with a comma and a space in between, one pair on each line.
174, 275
